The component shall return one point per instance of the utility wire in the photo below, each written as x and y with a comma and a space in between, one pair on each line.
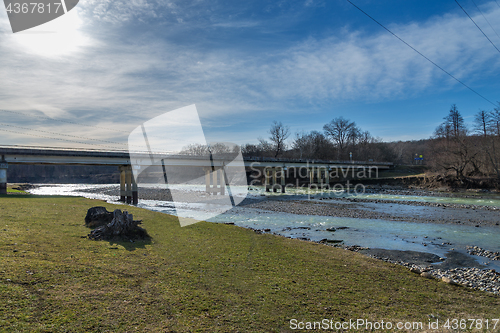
67, 140
63, 121
61, 134
91, 126
73, 136
478, 26
485, 18
429, 60
60, 139
60, 148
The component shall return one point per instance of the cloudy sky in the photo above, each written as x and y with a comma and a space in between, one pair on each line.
96, 73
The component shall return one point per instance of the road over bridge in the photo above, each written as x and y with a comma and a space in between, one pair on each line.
216, 166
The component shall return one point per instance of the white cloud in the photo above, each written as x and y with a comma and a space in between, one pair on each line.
117, 81
380, 66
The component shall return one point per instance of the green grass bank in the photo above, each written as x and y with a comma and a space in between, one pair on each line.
205, 277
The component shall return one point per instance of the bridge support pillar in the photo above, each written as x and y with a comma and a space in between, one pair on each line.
122, 183
267, 176
271, 175
3, 175
274, 180
128, 185
208, 180
222, 181
282, 178
323, 177
215, 181
135, 192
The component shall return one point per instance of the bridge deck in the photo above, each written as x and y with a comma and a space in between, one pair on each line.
118, 158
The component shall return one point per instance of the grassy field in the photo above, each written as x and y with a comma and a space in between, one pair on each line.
205, 277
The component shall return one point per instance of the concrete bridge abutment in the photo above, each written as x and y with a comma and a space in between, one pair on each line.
128, 185
215, 181
271, 175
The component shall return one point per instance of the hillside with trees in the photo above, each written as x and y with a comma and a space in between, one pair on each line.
463, 155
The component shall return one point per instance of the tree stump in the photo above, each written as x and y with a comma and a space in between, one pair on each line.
122, 227
98, 216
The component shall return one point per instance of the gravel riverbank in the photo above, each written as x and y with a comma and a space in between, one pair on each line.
409, 211
454, 269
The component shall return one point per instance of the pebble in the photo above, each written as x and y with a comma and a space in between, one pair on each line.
485, 280
446, 279
477, 251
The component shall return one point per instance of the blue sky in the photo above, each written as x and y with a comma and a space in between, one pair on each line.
112, 65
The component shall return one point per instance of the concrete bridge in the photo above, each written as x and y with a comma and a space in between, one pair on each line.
272, 172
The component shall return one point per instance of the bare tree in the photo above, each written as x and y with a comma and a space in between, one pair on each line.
364, 145
195, 149
495, 121
482, 123
453, 125
455, 122
487, 124
354, 135
456, 154
313, 145
340, 130
198, 149
279, 133
453, 150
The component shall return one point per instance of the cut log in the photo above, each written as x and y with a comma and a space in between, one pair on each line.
122, 227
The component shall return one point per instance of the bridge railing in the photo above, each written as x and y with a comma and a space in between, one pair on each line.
314, 161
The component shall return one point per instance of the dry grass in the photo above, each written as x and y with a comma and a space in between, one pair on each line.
205, 277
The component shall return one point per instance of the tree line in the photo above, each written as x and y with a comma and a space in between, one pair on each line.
341, 139
468, 152
453, 148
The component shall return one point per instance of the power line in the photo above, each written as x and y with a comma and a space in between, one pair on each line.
92, 126
60, 139
478, 26
61, 134
485, 18
54, 148
429, 60
64, 121
71, 136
